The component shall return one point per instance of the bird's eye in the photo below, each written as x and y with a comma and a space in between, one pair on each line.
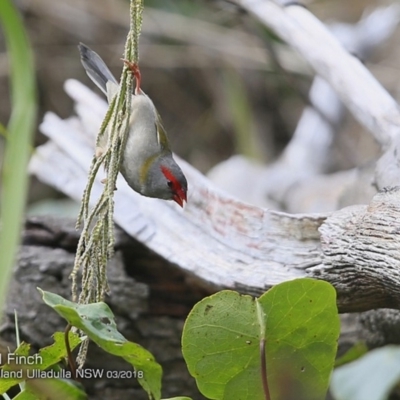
169, 183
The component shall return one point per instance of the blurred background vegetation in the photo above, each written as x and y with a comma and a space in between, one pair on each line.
208, 68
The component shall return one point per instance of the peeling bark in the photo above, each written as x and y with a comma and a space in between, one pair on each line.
360, 248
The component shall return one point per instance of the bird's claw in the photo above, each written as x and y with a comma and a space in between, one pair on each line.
134, 68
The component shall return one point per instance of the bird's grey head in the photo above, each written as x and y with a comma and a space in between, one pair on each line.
171, 183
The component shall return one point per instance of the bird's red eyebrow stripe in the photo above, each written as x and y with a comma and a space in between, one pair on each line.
169, 175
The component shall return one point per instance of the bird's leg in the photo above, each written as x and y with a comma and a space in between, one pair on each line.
136, 73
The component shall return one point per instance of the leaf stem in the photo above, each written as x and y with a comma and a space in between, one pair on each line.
263, 358
264, 369
71, 361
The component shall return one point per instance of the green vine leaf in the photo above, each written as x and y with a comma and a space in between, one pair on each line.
96, 320
371, 377
179, 398
220, 344
47, 357
302, 329
299, 320
7, 383
37, 389
354, 353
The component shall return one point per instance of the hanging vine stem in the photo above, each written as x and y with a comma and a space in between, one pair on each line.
96, 244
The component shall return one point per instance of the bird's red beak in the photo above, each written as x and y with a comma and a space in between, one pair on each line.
180, 197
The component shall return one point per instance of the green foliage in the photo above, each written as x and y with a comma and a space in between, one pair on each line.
220, 343
299, 321
371, 377
20, 129
96, 320
49, 357
302, 329
51, 389
240, 108
7, 383
179, 398
355, 352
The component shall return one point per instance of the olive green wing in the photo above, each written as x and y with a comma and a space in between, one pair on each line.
162, 137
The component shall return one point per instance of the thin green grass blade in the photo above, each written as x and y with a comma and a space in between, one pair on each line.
18, 146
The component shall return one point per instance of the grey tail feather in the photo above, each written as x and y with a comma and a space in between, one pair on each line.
95, 67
